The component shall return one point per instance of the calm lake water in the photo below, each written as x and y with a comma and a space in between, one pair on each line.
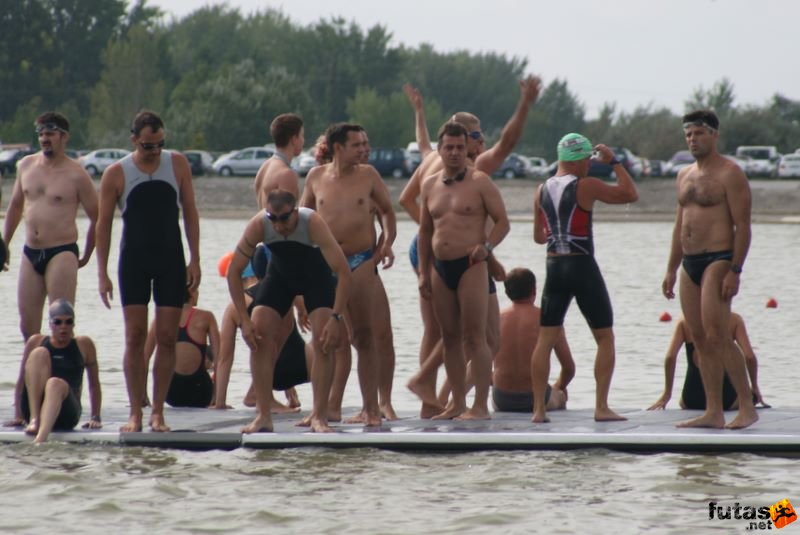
92, 489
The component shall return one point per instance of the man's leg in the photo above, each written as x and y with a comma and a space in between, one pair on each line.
266, 324
61, 277
167, 321
361, 306
38, 369
603, 370
55, 392
321, 371
31, 293
423, 383
445, 306
342, 365
133, 362
540, 370
385, 350
473, 303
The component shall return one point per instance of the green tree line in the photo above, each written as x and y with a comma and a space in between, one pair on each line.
218, 78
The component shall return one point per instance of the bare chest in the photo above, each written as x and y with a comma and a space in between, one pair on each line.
446, 200
53, 189
343, 195
701, 190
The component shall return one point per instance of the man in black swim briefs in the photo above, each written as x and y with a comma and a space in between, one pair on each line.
48, 391
152, 187
562, 213
711, 239
49, 188
303, 254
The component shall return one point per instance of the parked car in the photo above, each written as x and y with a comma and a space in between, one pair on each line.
242, 162
763, 159
10, 157
390, 162
789, 165
514, 166
200, 161
538, 166
303, 163
679, 160
632, 163
98, 160
657, 167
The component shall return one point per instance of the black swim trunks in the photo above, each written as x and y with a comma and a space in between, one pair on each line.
696, 264
41, 257
576, 276
506, 401
451, 272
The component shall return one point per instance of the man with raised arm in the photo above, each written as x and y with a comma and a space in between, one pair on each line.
151, 186
344, 192
303, 254
49, 188
456, 203
710, 240
562, 212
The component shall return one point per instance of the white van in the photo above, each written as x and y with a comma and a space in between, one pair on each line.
762, 160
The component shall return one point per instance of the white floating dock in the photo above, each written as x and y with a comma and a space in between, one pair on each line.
776, 432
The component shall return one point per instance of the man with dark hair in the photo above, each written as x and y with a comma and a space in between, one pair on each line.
277, 173
48, 393
562, 212
151, 186
49, 188
519, 329
303, 253
456, 203
710, 240
344, 192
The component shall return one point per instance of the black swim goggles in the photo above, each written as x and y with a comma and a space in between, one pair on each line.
280, 218
151, 146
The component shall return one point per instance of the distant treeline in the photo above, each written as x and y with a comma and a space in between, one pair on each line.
219, 77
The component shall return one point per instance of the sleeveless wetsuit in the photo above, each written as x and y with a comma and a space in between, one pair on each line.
571, 268
296, 267
693, 393
196, 389
151, 249
67, 363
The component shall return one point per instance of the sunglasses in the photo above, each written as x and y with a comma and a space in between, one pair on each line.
280, 218
58, 321
151, 146
48, 127
477, 135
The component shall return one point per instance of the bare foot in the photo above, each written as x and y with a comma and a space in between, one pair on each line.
249, 399
743, 419
258, 425
292, 398
451, 412
304, 422
359, 418
318, 425
387, 411
607, 415
335, 415
158, 424
540, 417
276, 407
426, 395
33, 427
14, 422
429, 411
134, 424
715, 421
473, 414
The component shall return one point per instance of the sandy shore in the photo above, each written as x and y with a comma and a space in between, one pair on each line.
773, 200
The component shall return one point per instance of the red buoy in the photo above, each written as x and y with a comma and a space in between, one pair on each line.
772, 303
665, 316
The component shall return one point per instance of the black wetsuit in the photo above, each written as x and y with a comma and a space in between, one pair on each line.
68, 364
693, 393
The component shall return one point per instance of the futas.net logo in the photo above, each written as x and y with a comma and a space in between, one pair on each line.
775, 516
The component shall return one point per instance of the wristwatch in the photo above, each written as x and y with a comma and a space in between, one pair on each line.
489, 247
736, 268
337, 316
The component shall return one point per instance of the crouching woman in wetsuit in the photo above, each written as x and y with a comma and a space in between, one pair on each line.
693, 395
197, 345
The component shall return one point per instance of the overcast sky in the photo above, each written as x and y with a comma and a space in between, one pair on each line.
632, 52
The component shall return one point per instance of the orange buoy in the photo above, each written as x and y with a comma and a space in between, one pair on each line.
772, 303
665, 316
224, 262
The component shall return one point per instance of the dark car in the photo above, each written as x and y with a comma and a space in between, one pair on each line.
513, 167
9, 159
389, 162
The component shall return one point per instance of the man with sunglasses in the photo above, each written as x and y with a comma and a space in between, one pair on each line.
48, 392
423, 384
456, 203
344, 193
151, 186
49, 188
303, 254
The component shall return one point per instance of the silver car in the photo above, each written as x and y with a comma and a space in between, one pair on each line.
96, 161
242, 162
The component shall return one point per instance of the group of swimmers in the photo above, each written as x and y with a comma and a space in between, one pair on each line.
324, 251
